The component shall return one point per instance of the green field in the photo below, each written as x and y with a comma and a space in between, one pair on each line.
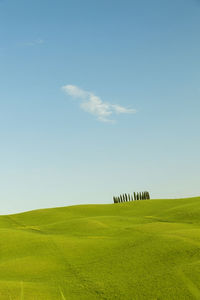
139, 250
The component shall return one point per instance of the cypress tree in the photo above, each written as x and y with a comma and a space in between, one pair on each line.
127, 197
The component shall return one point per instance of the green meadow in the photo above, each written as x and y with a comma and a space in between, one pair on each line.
136, 250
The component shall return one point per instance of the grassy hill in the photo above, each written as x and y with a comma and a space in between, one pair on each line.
138, 250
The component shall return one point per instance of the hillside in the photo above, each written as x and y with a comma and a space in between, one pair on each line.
138, 250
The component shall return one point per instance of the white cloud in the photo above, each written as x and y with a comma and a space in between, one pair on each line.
94, 105
34, 42
123, 110
75, 91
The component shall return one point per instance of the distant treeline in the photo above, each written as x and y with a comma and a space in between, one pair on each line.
135, 196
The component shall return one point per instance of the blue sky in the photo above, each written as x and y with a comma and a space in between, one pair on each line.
98, 98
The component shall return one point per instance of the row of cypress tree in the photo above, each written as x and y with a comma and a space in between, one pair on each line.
135, 196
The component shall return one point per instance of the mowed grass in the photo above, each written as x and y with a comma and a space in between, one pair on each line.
138, 250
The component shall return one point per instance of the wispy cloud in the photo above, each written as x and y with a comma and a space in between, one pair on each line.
94, 105
34, 42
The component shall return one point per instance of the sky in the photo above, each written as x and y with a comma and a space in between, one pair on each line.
98, 98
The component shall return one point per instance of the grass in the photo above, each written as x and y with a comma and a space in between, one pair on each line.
138, 250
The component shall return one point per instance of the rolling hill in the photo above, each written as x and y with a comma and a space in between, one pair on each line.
139, 250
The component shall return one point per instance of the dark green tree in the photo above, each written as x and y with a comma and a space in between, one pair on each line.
126, 197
